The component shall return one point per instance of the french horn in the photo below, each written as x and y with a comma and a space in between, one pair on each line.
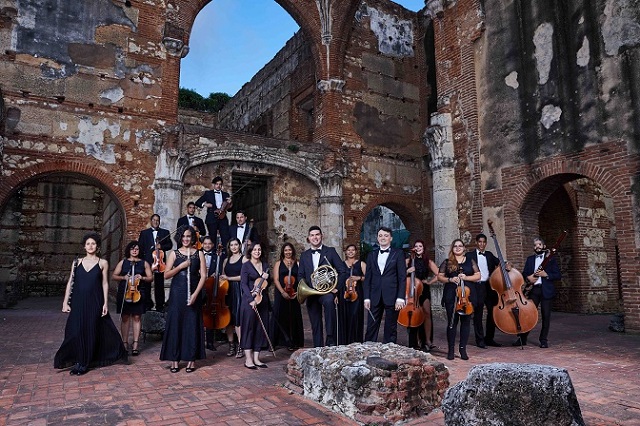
324, 280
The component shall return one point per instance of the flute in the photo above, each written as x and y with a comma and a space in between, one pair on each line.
189, 275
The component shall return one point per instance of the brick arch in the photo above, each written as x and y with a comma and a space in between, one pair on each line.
92, 174
399, 204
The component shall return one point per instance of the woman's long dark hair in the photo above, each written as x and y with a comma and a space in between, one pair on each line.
129, 247
293, 251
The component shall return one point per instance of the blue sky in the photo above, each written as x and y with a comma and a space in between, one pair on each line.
233, 39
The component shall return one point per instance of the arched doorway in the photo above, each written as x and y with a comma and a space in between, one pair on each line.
43, 223
379, 216
588, 257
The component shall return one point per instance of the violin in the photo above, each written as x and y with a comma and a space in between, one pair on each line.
463, 305
412, 315
259, 285
289, 282
350, 293
514, 313
158, 259
132, 294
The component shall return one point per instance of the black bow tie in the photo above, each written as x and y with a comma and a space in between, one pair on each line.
154, 229
384, 251
481, 253
217, 192
208, 253
240, 226
315, 251
540, 256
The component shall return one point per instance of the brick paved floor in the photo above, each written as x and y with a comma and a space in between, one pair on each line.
604, 367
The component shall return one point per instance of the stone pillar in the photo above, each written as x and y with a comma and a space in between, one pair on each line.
331, 210
439, 139
170, 168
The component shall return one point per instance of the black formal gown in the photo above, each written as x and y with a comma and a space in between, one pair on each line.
351, 313
415, 333
233, 295
252, 336
287, 328
90, 339
469, 267
183, 338
131, 308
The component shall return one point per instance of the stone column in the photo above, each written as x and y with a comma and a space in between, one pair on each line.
170, 168
331, 210
439, 139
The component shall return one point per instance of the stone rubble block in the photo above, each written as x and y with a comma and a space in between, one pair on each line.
514, 395
372, 383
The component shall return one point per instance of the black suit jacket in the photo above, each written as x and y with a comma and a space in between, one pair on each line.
388, 285
183, 221
553, 271
248, 234
148, 245
210, 197
305, 268
492, 261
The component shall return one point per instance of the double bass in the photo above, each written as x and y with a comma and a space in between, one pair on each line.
412, 315
513, 314
215, 313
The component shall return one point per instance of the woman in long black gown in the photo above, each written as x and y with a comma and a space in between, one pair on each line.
455, 269
231, 272
253, 337
287, 313
183, 338
422, 337
90, 336
131, 311
352, 311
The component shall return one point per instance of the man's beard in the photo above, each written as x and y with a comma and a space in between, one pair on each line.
539, 251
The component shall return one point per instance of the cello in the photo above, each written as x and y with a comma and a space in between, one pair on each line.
412, 315
513, 314
216, 314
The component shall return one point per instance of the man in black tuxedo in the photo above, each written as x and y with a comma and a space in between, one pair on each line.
213, 201
310, 260
211, 260
190, 219
384, 288
482, 294
148, 240
247, 235
543, 290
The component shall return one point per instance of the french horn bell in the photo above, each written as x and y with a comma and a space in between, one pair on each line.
324, 280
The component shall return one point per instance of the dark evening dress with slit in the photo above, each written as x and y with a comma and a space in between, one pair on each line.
90, 339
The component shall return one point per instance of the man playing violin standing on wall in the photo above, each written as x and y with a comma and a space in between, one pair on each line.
150, 239
217, 203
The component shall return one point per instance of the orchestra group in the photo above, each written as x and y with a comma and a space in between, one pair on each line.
219, 276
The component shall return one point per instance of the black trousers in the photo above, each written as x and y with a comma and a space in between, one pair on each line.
452, 326
478, 299
222, 226
390, 323
545, 309
315, 306
490, 302
158, 291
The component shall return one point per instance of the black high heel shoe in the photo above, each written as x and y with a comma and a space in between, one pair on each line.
135, 351
463, 354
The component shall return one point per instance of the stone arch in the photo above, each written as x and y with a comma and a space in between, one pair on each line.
93, 174
409, 216
531, 192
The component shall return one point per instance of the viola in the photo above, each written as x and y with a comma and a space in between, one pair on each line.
412, 315
132, 294
289, 282
350, 292
198, 244
158, 259
514, 313
222, 211
463, 305
216, 314
259, 285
